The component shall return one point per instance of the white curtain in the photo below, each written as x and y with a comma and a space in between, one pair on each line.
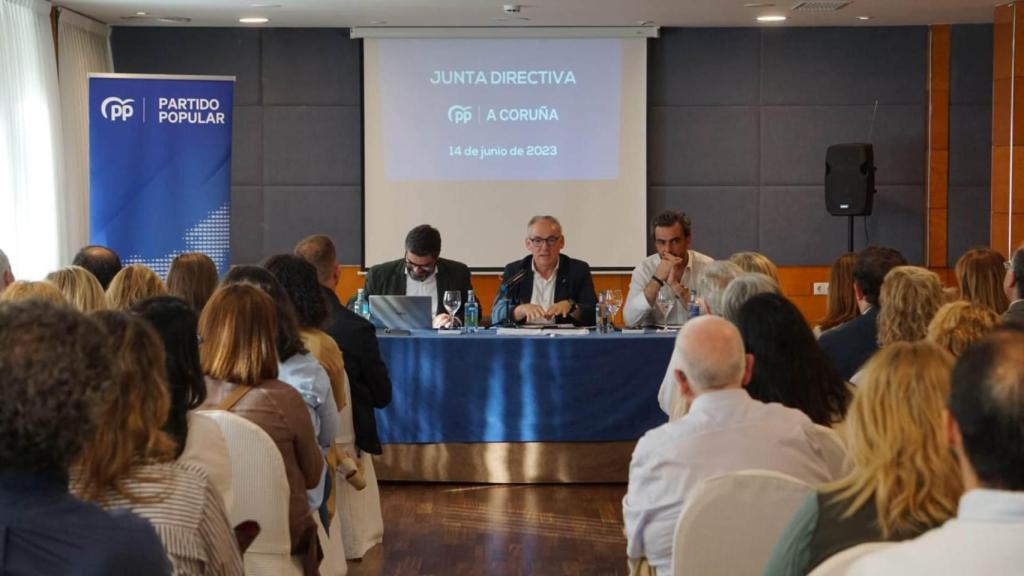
31, 165
84, 47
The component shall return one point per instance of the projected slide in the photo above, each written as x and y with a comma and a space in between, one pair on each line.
544, 109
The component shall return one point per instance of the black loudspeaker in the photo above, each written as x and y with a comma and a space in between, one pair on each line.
849, 179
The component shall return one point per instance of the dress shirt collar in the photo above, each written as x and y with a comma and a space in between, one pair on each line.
987, 505
717, 399
554, 273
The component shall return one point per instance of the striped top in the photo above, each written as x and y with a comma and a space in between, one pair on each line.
178, 499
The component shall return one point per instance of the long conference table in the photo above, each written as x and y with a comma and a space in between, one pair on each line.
485, 407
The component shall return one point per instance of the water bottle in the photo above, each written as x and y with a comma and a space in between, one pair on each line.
362, 304
472, 312
694, 305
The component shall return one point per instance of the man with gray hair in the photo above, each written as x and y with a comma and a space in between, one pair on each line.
6, 276
725, 431
712, 284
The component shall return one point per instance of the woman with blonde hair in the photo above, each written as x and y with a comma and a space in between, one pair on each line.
25, 289
909, 299
979, 274
131, 284
904, 482
193, 278
756, 262
238, 353
79, 287
130, 461
841, 305
958, 324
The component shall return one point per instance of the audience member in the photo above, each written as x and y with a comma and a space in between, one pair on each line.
713, 282
985, 428
25, 290
6, 275
54, 365
904, 480
789, 367
725, 431
673, 268
296, 366
422, 272
133, 283
368, 379
849, 345
841, 306
197, 438
744, 288
80, 288
193, 278
552, 287
1013, 286
103, 262
959, 324
909, 299
130, 461
238, 352
754, 262
979, 274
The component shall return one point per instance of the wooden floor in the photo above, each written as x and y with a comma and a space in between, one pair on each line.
455, 529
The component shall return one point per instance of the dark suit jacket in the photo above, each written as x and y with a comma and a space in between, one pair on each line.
1015, 313
367, 373
573, 281
389, 278
850, 345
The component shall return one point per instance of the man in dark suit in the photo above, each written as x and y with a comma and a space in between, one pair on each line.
367, 374
422, 273
849, 345
547, 286
1013, 284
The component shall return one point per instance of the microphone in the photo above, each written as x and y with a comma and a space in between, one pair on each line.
515, 279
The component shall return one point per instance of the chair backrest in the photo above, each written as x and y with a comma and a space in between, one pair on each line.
259, 482
730, 524
834, 449
840, 564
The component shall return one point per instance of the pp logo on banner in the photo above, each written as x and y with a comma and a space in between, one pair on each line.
460, 114
114, 109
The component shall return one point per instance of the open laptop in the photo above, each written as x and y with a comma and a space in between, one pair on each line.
401, 312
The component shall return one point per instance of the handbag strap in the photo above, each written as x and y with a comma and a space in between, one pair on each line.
230, 400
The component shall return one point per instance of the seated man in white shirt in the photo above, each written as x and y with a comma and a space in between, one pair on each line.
985, 428
725, 431
674, 269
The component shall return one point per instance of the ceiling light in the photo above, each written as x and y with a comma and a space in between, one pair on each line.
142, 13
770, 18
759, 5
264, 6
378, 22
254, 20
863, 17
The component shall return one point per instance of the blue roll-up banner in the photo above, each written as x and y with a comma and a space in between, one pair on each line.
160, 166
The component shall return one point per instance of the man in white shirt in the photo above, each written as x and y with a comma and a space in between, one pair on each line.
6, 276
985, 428
1013, 285
674, 269
725, 431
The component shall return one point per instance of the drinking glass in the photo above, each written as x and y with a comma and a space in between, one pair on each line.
452, 302
665, 302
613, 300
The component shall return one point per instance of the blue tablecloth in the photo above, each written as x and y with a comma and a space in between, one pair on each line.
488, 388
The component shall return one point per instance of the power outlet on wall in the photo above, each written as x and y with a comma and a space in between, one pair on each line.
820, 288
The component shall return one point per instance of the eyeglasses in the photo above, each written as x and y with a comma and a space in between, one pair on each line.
537, 241
421, 267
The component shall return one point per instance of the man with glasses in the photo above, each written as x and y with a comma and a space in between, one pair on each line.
673, 269
421, 273
546, 287
1013, 285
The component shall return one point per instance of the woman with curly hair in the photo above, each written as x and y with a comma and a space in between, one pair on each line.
79, 287
957, 324
130, 461
909, 299
131, 284
979, 274
905, 481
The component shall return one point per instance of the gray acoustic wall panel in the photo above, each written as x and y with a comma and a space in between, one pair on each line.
970, 138
247, 146
699, 145
290, 157
704, 67
331, 210
734, 208
311, 66
246, 224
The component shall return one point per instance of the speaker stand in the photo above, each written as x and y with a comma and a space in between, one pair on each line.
849, 243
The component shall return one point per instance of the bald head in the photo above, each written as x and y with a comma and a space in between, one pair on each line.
711, 354
103, 262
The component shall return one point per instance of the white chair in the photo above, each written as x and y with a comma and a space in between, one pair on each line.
333, 562
261, 493
834, 449
840, 564
358, 511
730, 523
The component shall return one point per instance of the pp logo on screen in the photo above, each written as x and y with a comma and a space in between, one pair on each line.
460, 114
114, 109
